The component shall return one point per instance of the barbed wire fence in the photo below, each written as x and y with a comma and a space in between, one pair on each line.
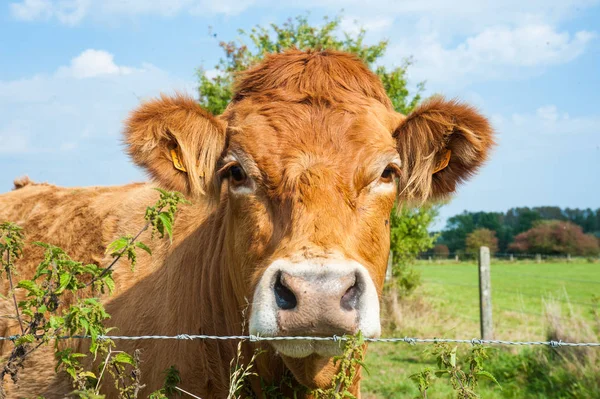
484, 261
334, 338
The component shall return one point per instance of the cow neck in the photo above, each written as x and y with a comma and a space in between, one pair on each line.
206, 266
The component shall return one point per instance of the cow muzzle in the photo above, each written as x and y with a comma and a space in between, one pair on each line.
316, 297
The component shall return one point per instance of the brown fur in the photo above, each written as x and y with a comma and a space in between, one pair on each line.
314, 131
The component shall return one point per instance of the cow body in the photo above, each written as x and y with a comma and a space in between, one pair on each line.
287, 232
179, 289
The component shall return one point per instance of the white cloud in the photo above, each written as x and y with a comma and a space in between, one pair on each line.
213, 73
30, 10
466, 16
14, 137
68, 12
461, 15
548, 122
544, 157
226, 7
73, 12
353, 25
91, 63
78, 109
500, 52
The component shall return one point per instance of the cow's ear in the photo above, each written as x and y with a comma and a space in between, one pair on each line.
177, 142
441, 144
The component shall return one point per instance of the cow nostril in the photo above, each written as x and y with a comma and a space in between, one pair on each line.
349, 300
284, 297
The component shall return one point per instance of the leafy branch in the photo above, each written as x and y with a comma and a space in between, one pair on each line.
11, 246
349, 362
463, 382
169, 388
43, 315
160, 217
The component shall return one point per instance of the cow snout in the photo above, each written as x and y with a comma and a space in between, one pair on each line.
323, 297
317, 304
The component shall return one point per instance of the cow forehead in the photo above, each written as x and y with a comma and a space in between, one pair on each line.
279, 134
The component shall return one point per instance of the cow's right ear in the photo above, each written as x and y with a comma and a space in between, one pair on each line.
177, 142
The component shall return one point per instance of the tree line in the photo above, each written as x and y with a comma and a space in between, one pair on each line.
546, 230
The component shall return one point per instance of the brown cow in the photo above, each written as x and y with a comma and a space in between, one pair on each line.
291, 192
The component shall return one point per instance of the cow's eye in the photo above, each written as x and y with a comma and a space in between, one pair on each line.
237, 175
388, 174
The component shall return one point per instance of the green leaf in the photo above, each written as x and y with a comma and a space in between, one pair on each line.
110, 282
30, 286
488, 376
91, 268
165, 220
25, 339
85, 325
143, 246
87, 374
65, 279
160, 190
117, 245
453, 357
56, 322
124, 357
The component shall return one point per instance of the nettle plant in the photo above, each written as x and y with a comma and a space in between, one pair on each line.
464, 378
61, 301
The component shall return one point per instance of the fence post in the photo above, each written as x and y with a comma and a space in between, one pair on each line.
430, 259
456, 259
538, 258
485, 294
512, 258
568, 258
388, 271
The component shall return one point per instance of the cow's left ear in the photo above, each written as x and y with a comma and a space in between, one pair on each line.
177, 142
441, 143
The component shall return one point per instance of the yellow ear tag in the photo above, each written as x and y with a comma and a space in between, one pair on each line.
177, 161
443, 162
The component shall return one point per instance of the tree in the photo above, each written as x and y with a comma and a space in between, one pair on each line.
460, 226
482, 238
441, 251
215, 92
513, 222
409, 235
556, 237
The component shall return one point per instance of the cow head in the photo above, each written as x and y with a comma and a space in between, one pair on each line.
304, 166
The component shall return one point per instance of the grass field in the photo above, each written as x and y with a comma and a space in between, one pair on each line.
447, 305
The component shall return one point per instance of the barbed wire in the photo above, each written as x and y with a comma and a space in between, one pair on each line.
334, 338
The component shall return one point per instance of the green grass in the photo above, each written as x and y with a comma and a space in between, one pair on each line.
447, 305
519, 294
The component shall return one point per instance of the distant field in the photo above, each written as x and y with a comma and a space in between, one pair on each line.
447, 305
519, 292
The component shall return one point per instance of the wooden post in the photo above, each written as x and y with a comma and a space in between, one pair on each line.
456, 259
388, 271
568, 258
512, 258
430, 259
485, 294
538, 258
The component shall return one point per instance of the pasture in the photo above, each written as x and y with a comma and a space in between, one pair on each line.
447, 305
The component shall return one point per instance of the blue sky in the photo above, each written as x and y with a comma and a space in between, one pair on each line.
71, 70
